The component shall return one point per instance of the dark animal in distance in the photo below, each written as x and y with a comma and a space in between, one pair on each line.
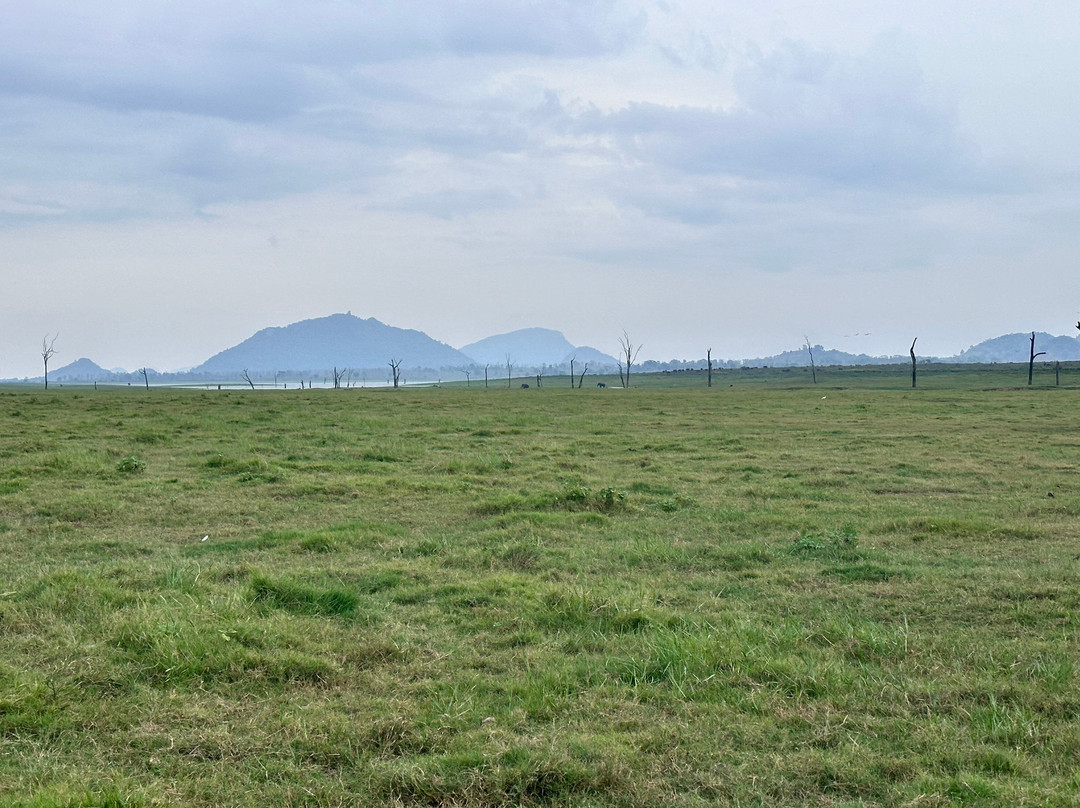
601, 384
524, 387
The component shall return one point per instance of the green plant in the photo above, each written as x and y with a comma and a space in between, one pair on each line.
131, 465
837, 544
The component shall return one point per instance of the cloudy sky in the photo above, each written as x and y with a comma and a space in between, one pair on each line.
176, 176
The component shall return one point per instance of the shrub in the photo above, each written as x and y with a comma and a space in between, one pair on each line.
131, 465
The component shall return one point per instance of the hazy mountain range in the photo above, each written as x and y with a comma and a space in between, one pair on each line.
312, 347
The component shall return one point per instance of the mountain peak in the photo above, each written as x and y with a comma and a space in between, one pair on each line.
337, 340
526, 347
81, 370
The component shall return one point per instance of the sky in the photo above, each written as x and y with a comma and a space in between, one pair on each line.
740, 177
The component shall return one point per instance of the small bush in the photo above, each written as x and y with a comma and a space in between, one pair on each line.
580, 497
131, 465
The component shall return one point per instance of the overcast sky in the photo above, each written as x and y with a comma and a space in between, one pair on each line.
176, 176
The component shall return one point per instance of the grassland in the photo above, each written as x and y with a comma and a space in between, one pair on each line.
765, 593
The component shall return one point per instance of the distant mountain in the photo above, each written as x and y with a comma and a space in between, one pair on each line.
1006, 348
526, 346
82, 370
532, 347
800, 357
340, 340
1017, 348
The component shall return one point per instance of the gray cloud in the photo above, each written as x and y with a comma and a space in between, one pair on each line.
455, 203
810, 116
191, 84
251, 100
251, 61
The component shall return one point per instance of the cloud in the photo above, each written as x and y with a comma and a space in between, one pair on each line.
455, 203
809, 115
185, 105
254, 61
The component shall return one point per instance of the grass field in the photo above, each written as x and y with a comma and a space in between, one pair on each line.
767, 593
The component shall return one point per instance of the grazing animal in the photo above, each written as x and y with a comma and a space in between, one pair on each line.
601, 384
524, 387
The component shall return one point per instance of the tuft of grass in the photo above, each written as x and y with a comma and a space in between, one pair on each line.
571, 498
299, 598
854, 573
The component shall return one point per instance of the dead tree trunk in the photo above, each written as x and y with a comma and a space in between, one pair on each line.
1031, 361
913, 362
486, 377
47, 352
247, 378
572, 373
395, 367
509, 371
1057, 374
145, 378
708, 356
813, 369
582, 377
629, 352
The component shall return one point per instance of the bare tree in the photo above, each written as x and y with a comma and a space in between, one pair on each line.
629, 352
486, 376
145, 378
247, 378
395, 366
913, 362
1031, 361
468, 377
338, 376
810, 350
581, 378
1057, 374
509, 370
47, 353
708, 358
572, 358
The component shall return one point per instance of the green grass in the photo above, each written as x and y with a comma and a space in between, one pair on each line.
765, 593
